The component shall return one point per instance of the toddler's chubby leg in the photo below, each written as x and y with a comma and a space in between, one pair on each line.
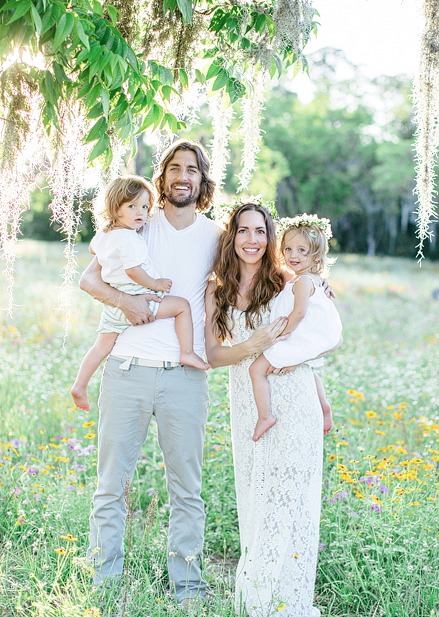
89, 365
174, 306
261, 390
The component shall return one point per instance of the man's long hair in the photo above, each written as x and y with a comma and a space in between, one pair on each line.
267, 283
207, 188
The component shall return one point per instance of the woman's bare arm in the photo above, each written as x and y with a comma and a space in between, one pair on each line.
135, 308
222, 355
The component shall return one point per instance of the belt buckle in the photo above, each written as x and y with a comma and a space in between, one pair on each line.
168, 365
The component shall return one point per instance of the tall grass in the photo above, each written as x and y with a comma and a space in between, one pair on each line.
379, 526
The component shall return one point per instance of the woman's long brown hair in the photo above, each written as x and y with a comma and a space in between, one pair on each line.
267, 283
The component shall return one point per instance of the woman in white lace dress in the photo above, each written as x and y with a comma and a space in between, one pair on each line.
278, 478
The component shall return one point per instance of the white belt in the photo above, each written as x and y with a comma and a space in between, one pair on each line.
130, 360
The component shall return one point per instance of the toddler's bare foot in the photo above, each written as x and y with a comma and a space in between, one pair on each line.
191, 359
327, 417
262, 426
80, 397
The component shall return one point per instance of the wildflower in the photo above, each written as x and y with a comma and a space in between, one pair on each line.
380, 432
296, 556
87, 424
60, 551
69, 537
90, 436
190, 558
281, 607
369, 479
371, 414
94, 611
414, 503
340, 496
375, 507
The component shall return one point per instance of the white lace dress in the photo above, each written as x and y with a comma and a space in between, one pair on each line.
278, 488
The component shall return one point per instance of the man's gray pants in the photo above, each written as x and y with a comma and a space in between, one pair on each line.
178, 398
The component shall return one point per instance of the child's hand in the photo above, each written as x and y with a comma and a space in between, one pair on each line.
164, 285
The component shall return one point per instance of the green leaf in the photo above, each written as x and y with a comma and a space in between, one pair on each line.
235, 89
200, 77
37, 19
113, 14
49, 87
171, 121
97, 7
105, 100
60, 74
96, 111
97, 130
81, 34
260, 22
167, 92
63, 29
183, 78
185, 7
21, 8
161, 73
169, 5
214, 69
152, 118
100, 147
221, 80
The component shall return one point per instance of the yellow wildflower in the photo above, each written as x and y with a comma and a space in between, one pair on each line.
69, 537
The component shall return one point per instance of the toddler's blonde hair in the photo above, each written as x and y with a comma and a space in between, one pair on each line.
121, 191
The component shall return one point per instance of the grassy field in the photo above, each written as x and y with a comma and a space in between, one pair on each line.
379, 526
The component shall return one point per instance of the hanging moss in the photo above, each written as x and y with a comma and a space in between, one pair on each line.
426, 102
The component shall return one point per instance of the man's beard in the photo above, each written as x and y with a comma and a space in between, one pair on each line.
183, 200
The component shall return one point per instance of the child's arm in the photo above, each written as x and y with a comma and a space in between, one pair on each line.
139, 276
302, 292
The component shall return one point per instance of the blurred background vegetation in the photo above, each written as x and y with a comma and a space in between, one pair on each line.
346, 153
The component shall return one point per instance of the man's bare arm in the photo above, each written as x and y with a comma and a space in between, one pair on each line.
135, 308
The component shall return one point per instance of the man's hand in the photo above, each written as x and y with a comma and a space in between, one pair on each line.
327, 289
136, 309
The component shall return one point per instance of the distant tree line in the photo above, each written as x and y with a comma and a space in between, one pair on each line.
346, 154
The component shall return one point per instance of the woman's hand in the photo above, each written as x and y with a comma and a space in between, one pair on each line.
265, 337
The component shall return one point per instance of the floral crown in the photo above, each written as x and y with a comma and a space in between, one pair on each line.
227, 209
306, 220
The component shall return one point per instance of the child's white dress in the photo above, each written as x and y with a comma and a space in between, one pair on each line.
319, 331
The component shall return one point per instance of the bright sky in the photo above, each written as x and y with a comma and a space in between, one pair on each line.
380, 35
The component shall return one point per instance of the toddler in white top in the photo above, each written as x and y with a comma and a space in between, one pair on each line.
314, 325
126, 265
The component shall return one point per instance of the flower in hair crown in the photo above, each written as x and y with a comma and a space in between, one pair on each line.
227, 209
306, 220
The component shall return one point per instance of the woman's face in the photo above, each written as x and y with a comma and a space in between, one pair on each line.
251, 237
